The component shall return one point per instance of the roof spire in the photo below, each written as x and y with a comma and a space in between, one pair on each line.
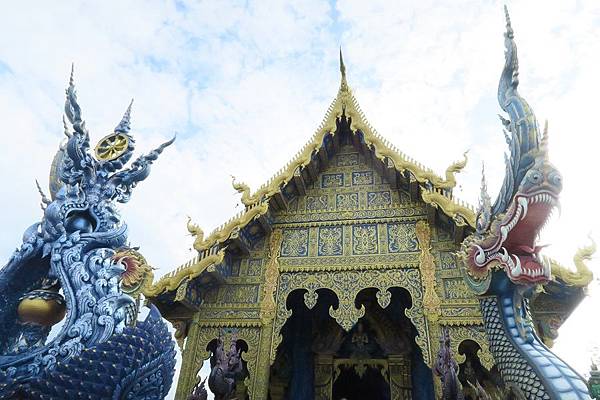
344, 84
125, 125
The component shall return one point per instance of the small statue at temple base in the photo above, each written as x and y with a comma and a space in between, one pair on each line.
226, 367
446, 368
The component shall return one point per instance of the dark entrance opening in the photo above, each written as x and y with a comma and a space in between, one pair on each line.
350, 386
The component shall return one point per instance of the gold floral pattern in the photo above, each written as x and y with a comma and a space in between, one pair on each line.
295, 243
402, 237
447, 260
362, 178
364, 239
456, 289
254, 267
316, 203
330, 241
379, 199
346, 201
346, 160
332, 180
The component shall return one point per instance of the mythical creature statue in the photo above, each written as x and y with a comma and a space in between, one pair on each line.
446, 368
501, 258
226, 368
69, 269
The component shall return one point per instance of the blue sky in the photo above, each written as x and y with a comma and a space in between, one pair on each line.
245, 84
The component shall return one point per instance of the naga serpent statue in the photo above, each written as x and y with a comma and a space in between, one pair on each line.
69, 270
501, 258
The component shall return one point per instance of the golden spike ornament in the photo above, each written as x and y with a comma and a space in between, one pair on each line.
582, 276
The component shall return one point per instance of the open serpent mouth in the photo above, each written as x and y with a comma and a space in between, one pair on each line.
514, 244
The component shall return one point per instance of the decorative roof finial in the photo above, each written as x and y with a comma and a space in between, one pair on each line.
344, 84
125, 124
342, 66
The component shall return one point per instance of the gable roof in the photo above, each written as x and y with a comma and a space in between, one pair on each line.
434, 189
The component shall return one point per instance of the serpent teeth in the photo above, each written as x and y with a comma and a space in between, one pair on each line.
504, 232
504, 256
524, 204
518, 270
480, 256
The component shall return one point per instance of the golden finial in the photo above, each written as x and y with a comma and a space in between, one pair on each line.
344, 84
342, 66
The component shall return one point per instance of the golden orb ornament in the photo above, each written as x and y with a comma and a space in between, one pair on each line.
42, 307
112, 147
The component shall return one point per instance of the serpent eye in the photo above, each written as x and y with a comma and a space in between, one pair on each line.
534, 176
555, 179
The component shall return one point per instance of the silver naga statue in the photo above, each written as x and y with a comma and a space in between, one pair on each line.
502, 260
66, 270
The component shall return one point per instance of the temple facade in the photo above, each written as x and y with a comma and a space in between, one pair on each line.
347, 277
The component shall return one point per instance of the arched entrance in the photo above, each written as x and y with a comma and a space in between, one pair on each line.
377, 358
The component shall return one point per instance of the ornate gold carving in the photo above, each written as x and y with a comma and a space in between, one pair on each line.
198, 353
384, 297
112, 146
195, 231
189, 271
348, 263
267, 306
360, 366
456, 288
458, 334
460, 212
346, 285
181, 290
181, 331
295, 243
431, 301
225, 231
137, 275
344, 104
401, 237
244, 189
364, 239
583, 276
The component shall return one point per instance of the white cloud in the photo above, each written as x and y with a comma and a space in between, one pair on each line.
246, 83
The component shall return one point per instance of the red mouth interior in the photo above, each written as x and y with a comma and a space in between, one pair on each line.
521, 239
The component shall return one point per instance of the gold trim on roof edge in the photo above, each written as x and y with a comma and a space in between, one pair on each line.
582, 276
188, 271
344, 103
224, 232
461, 212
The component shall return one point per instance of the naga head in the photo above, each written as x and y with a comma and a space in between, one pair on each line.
80, 247
507, 232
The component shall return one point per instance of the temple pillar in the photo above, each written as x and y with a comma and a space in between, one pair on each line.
323, 377
189, 365
261, 382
